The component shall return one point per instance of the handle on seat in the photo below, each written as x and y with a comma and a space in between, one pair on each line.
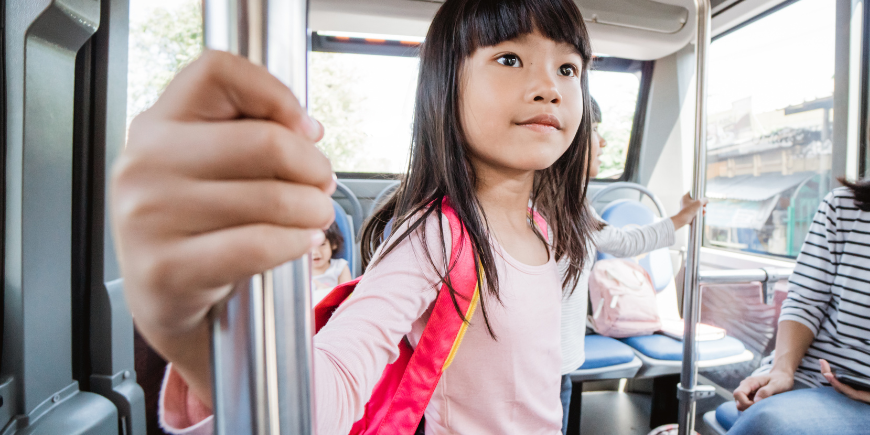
261, 337
634, 186
382, 196
356, 210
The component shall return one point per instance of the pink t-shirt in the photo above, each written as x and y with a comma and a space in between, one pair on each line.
508, 386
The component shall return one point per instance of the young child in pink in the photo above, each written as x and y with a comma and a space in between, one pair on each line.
220, 179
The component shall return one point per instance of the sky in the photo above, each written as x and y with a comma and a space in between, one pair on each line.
783, 59
139, 9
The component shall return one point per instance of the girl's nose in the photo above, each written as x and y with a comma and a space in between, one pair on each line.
544, 89
602, 142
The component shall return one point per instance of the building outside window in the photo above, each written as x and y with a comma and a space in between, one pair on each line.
769, 147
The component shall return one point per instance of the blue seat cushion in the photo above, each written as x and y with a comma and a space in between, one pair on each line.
343, 224
727, 414
604, 351
665, 348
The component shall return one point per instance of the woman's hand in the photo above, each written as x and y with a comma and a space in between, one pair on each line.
861, 396
688, 210
756, 388
220, 180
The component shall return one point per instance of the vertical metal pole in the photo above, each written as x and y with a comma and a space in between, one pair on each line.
687, 389
261, 338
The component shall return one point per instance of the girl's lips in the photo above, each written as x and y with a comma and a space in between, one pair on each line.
540, 128
544, 123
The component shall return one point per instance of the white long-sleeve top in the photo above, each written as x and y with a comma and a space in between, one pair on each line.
619, 243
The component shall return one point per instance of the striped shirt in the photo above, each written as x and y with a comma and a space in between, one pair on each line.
829, 291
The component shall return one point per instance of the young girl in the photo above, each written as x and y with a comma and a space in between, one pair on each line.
619, 243
501, 122
326, 270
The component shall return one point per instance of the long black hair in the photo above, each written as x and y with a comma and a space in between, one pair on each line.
439, 166
861, 190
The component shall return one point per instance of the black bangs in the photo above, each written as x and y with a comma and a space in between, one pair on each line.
439, 167
491, 22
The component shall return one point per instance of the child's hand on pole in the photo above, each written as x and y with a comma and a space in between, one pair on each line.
688, 210
220, 180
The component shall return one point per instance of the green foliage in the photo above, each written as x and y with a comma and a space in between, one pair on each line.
336, 101
618, 117
160, 46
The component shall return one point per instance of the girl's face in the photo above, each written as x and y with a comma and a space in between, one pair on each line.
521, 102
598, 143
321, 255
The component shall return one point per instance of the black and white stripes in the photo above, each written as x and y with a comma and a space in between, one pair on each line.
829, 291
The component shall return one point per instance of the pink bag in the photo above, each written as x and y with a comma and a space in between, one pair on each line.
623, 300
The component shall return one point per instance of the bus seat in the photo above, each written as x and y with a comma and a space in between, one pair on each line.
663, 355
626, 213
606, 358
345, 226
723, 418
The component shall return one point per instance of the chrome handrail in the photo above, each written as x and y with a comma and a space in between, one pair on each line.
261, 337
634, 186
767, 276
688, 390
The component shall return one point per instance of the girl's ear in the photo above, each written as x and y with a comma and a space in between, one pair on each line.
334, 246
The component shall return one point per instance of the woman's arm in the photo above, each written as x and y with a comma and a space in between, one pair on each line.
792, 341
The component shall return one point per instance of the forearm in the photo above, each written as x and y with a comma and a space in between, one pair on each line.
793, 339
189, 354
635, 241
681, 219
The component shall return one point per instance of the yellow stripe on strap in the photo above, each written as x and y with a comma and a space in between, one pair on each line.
471, 306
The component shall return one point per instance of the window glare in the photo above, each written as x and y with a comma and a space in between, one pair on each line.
616, 94
366, 104
769, 129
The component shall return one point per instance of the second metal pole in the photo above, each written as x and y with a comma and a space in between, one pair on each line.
687, 390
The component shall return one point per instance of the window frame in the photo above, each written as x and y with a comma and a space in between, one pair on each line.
377, 47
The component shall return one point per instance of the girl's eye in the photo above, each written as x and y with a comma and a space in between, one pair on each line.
510, 60
568, 70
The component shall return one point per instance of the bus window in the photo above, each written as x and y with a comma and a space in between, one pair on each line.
616, 92
366, 104
165, 35
770, 101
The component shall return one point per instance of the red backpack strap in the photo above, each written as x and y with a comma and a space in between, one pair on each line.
324, 309
539, 220
441, 337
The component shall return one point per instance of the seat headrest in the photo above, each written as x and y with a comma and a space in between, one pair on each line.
344, 225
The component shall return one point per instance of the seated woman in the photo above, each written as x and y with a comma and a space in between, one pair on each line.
824, 331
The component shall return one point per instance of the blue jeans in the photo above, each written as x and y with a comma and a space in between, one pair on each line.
811, 411
565, 395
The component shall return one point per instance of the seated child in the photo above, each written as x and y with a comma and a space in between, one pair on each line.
327, 271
